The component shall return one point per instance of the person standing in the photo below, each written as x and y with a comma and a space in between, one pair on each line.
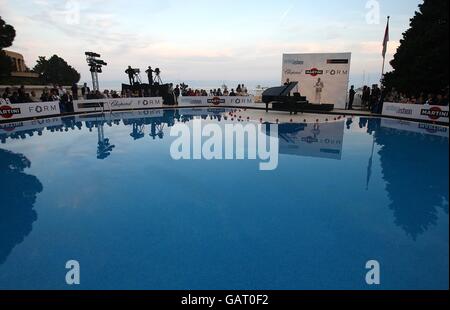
22, 94
244, 90
85, 90
375, 97
149, 72
177, 93
239, 90
319, 88
74, 90
351, 97
366, 96
130, 73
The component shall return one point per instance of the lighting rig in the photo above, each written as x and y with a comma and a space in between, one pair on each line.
95, 64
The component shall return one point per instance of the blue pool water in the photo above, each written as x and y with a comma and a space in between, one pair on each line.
344, 193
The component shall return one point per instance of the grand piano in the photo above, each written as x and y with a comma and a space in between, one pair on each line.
281, 100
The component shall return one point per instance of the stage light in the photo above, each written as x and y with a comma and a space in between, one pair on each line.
95, 65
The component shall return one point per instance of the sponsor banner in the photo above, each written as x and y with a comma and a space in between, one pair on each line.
416, 111
322, 78
243, 101
100, 105
203, 111
20, 126
422, 128
320, 140
133, 115
120, 115
27, 110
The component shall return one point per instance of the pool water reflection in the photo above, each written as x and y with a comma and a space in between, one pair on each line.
104, 190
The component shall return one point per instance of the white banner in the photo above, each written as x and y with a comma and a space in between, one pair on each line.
27, 110
416, 111
322, 78
243, 101
422, 128
203, 111
109, 104
38, 124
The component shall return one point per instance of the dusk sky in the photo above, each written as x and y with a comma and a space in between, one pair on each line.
206, 40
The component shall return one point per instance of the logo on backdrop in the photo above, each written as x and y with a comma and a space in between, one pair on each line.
7, 112
434, 113
216, 101
294, 62
314, 72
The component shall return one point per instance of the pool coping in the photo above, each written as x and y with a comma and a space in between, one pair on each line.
175, 107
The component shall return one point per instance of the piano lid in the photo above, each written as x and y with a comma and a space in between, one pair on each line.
281, 90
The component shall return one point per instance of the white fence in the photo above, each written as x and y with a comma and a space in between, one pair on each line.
10, 111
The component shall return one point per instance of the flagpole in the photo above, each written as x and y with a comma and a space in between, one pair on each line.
384, 54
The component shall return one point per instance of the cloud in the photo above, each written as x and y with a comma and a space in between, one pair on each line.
369, 47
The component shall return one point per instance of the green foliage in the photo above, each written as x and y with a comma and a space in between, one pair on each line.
56, 71
7, 34
5, 64
421, 62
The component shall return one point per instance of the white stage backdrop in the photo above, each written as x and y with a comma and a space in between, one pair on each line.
323, 78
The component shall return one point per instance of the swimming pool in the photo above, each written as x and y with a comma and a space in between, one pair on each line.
104, 190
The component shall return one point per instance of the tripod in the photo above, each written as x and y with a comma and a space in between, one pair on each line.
157, 78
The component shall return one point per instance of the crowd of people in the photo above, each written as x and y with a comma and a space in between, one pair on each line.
20, 95
373, 98
76, 92
241, 90
440, 98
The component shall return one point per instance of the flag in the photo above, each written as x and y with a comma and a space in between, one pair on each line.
386, 39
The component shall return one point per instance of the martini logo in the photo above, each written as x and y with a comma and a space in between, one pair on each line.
216, 101
310, 140
432, 129
7, 112
10, 127
434, 113
314, 72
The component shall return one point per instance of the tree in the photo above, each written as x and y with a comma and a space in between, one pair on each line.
421, 62
56, 71
7, 35
6, 65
